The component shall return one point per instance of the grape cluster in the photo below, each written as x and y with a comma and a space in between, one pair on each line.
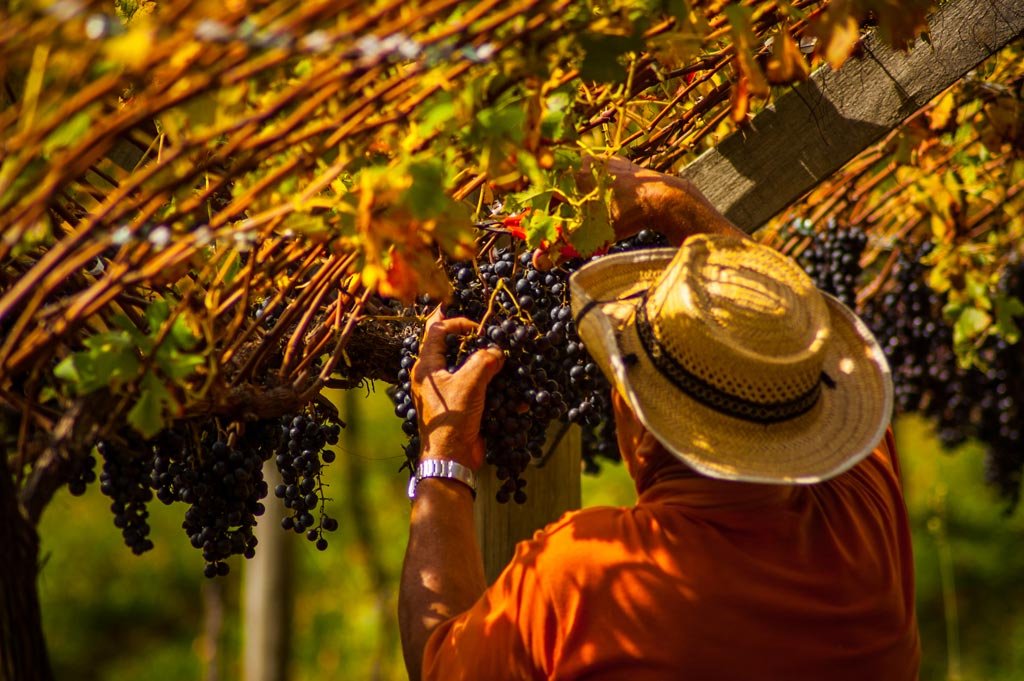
907, 321
219, 476
223, 486
300, 457
82, 472
125, 480
547, 375
983, 401
645, 238
832, 260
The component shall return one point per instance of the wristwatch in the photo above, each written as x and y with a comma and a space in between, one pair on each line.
442, 468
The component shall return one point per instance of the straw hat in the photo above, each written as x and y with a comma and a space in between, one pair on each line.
734, 361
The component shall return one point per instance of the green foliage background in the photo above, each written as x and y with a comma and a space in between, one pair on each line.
110, 616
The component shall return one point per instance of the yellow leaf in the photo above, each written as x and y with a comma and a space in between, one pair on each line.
132, 47
939, 116
939, 227
838, 33
743, 43
786, 63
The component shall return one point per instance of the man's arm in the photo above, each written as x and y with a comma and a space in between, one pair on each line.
443, 573
647, 199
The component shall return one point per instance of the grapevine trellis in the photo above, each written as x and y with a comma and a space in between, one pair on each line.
200, 204
209, 214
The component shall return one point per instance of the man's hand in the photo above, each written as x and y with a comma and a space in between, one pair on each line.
450, 405
647, 199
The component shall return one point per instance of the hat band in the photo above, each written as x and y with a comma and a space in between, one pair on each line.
712, 396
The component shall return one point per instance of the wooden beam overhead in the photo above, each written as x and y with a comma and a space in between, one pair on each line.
818, 126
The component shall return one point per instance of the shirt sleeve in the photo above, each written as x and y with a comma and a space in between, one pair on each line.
492, 640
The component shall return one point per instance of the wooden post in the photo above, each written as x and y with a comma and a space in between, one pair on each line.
267, 594
815, 128
551, 491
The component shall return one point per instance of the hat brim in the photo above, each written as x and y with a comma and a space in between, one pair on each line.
845, 425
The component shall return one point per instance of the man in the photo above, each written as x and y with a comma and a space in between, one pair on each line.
769, 539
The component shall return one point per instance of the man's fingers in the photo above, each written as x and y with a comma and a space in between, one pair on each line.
433, 347
482, 365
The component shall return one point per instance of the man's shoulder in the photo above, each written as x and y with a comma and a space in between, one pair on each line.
584, 537
593, 518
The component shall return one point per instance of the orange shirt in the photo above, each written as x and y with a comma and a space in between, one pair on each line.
705, 579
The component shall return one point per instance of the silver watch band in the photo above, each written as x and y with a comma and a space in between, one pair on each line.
442, 468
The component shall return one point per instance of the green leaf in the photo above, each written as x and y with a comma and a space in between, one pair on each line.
971, 323
181, 335
1007, 309
426, 196
503, 124
176, 365
437, 114
540, 227
603, 51
68, 133
555, 124
147, 414
595, 231
156, 313
68, 371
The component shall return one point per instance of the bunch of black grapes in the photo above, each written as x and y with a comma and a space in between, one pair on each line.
301, 455
547, 376
983, 401
220, 479
832, 260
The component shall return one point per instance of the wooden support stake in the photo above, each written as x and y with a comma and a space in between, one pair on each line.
551, 491
267, 589
815, 128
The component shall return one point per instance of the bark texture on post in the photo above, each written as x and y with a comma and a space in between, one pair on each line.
551, 491
23, 655
267, 594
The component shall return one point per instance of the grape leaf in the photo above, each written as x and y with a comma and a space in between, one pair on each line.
971, 323
595, 230
540, 227
147, 414
603, 52
838, 33
426, 196
744, 44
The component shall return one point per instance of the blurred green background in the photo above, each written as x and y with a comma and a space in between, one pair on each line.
112, 616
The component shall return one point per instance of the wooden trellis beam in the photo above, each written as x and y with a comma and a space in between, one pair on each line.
819, 125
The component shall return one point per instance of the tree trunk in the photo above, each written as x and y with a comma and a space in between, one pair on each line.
23, 655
